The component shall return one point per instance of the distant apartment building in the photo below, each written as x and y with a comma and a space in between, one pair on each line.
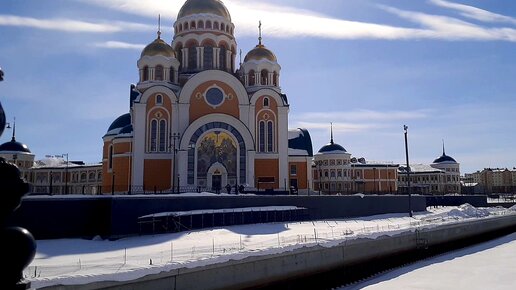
493, 180
440, 177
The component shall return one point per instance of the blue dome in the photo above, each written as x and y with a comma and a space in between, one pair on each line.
444, 158
127, 129
121, 122
332, 147
14, 146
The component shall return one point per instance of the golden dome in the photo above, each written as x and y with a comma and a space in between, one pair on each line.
259, 53
192, 7
158, 47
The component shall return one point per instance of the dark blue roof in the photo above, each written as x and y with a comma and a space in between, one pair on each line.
127, 129
331, 147
302, 142
13, 146
444, 158
121, 122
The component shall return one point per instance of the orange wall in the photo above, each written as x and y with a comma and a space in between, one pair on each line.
301, 176
199, 107
267, 168
157, 173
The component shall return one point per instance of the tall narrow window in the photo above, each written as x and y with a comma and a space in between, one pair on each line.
162, 135
263, 77
252, 77
265, 102
145, 74
275, 79
159, 99
208, 57
270, 137
158, 73
153, 136
223, 58
110, 157
262, 137
208, 24
192, 58
172, 75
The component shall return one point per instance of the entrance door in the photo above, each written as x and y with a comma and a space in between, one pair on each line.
216, 182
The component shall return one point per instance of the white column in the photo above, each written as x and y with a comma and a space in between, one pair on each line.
199, 57
185, 57
139, 140
216, 60
283, 143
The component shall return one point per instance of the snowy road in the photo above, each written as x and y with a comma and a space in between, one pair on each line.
76, 261
490, 265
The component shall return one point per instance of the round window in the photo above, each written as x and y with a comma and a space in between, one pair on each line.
214, 96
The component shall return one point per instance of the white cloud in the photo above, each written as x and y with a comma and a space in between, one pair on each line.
474, 12
449, 28
287, 22
367, 115
68, 25
119, 45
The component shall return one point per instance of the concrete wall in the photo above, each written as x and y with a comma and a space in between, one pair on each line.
456, 200
54, 217
261, 270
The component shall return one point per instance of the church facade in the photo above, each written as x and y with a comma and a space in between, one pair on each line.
198, 122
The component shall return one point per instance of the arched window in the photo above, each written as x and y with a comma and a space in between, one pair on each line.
208, 57
263, 77
252, 77
270, 137
339, 173
192, 25
99, 175
158, 74
265, 102
159, 99
275, 79
326, 173
200, 24
192, 57
172, 75
83, 177
110, 157
208, 24
262, 137
153, 136
332, 175
216, 25
162, 136
223, 58
91, 176
186, 25
180, 27
222, 26
145, 74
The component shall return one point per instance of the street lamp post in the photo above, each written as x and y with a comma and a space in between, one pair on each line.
174, 137
405, 128
66, 173
374, 180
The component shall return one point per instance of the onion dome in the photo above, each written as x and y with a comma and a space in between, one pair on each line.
158, 47
215, 7
445, 158
14, 146
260, 52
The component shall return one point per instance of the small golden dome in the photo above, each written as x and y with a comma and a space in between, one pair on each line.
158, 47
259, 53
192, 7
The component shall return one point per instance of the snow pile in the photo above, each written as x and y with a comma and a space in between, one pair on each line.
512, 208
465, 211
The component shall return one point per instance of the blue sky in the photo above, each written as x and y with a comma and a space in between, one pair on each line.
444, 68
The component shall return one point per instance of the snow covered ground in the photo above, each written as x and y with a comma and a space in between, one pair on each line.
76, 261
490, 265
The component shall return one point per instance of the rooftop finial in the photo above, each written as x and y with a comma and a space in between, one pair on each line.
260, 33
240, 56
14, 130
331, 130
444, 152
159, 26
